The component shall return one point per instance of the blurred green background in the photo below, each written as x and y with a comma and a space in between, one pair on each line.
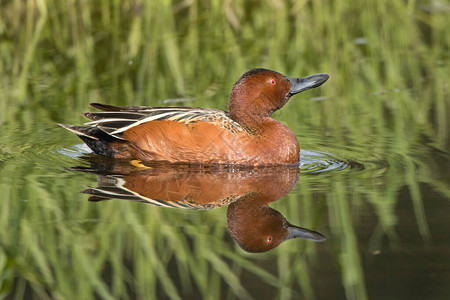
386, 106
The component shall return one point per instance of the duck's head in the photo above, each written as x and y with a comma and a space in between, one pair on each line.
260, 92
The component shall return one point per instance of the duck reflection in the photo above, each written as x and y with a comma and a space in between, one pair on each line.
252, 223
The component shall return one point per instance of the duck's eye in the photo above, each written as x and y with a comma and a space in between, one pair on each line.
272, 81
269, 239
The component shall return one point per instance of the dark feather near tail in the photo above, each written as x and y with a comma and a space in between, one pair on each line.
111, 108
94, 138
95, 116
105, 107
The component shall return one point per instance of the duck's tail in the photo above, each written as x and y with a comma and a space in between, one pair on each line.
95, 138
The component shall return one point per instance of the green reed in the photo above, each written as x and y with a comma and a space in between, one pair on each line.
388, 62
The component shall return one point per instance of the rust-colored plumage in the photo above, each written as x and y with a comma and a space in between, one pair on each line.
246, 135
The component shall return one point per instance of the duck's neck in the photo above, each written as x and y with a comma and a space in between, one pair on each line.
252, 124
258, 125
252, 117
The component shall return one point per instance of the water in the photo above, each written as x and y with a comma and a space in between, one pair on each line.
380, 231
373, 178
311, 162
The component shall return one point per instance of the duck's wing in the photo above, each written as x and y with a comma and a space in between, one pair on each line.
114, 120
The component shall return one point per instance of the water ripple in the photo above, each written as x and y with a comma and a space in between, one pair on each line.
75, 151
314, 162
311, 162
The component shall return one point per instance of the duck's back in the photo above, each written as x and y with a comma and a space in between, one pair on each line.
174, 134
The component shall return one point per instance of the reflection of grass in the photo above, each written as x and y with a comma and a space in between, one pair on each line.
389, 69
113, 246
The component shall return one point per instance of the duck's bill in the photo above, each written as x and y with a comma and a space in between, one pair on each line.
295, 232
306, 83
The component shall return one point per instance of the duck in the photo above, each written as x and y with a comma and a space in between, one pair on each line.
245, 135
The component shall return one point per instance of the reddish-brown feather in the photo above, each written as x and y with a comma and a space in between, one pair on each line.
206, 142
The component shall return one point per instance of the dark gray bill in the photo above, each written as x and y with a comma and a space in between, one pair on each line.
303, 233
306, 83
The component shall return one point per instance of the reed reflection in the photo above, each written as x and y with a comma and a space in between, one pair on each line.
248, 191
